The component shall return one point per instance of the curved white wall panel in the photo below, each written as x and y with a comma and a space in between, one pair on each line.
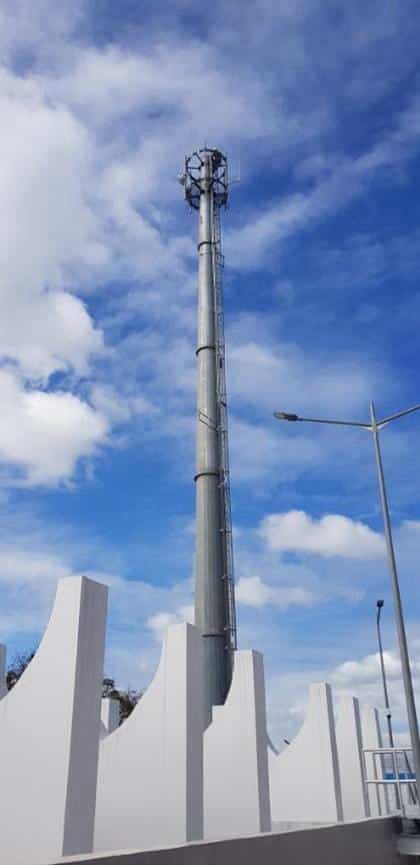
49, 732
236, 786
150, 768
304, 778
349, 744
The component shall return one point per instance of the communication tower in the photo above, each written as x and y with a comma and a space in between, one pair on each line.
206, 186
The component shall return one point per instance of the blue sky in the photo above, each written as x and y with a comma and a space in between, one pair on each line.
318, 106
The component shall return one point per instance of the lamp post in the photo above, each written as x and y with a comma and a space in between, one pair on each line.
379, 606
374, 427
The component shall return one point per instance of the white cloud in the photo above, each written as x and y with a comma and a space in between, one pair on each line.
118, 408
21, 567
351, 674
44, 434
169, 80
34, 556
28, 578
362, 678
48, 228
274, 374
288, 692
38, 29
92, 199
49, 332
347, 179
253, 592
258, 452
331, 535
160, 622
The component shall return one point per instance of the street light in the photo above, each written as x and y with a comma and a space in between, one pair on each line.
374, 427
379, 606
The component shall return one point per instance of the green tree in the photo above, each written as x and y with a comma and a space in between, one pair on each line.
17, 667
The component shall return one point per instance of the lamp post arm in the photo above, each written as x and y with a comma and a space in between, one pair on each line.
335, 422
391, 417
294, 418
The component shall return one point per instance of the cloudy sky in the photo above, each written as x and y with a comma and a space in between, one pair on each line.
317, 105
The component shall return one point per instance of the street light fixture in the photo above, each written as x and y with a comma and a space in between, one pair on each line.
374, 427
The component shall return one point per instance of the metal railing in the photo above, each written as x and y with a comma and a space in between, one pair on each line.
401, 779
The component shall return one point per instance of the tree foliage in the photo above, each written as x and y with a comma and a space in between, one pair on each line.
17, 667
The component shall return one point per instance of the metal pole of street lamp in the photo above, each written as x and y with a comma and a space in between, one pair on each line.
374, 427
379, 605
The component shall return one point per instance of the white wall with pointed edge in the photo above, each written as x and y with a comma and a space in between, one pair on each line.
350, 758
236, 784
150, 769
3, 686
304, 778
379, 798
49, 732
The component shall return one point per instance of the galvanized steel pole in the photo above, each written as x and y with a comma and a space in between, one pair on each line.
210, 599
379, 605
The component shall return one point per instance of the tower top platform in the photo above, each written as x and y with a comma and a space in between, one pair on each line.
204, 165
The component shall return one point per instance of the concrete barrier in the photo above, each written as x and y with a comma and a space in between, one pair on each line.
370, 842
236, 784
150, 781
304, 778
49, 733
350, 758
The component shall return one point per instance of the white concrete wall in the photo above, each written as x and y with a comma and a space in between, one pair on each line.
350, 758
110, 715
3, 687
379, 799
304, 778
49, 731
236, 784
150, 768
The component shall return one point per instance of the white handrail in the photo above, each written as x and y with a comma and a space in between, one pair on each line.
396, 781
